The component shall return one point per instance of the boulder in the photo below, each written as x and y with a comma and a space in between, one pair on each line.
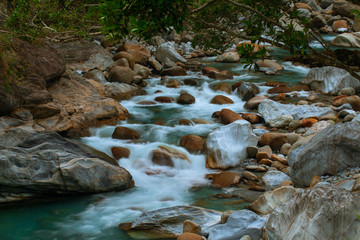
226, 146
167, 50
239, 223
141, 70
347, 40
340, 26
173, 83
121, 74
319, 20
168, 222
139, 53
251, 117
266, 63
254, 102
43, 164
221, 99
228, 57
274, 178
120, 152
228, 116
354, 101
174, 71
125, 133
161, 158
163, 99
325, 210
225, 87
193, 143
216, 73
191, 227
276, 140
185, 98
121, 91
129, 57
330, 80
279, 115
329, 152
270, 200
224, 179
247, 91
344, 8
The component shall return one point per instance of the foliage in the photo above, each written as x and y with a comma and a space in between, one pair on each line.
30, 19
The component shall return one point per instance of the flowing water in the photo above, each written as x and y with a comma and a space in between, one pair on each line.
97, 216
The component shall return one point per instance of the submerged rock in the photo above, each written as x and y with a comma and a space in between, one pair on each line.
226, 146
239, 223
43, 164
330, 80
325, 212
168, 222
329, 152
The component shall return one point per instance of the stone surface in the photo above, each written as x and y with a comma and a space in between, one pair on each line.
239, 223
331, 151
190, 236
125, 133
278, 115
120, 152
228, 116
174, 71
121, 74
254, 102
347, 40
129, 57
216, 73
42, 164
226, 146
191, 227
251, 117
274, 178
139, 52
185, 98
228, 57
221, 99
330, 80
168, 222
224, 179
269, 64
193, 143
344, 8
167, 50
247, 91
270, 200
325, 210
121, 91
354, 101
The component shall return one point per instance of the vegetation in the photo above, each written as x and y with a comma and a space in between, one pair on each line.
216, 23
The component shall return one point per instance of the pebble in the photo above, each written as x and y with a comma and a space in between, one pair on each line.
347, 174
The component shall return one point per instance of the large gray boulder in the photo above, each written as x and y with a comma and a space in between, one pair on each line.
168, 222
226, 146
41, 164
347, 40
167, 50
330, 80
329, 152
323, 212
239, 223
280, 115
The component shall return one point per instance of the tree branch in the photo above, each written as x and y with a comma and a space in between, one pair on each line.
203, 6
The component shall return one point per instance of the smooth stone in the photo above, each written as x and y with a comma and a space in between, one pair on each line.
125, 133
274, 178
228, 116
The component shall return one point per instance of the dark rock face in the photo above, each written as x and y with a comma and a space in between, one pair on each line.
42, 164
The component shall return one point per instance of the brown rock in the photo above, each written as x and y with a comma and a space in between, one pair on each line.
254, 102
206, 70
125, 226
269, 64
225, 179
190, 236
191, 227
174, 71
120, 152
308, 122
315, 180
45, 110
125, 133
161, 158
235, 85
174, 153
256, 46
121, 74
301, 87
276, 84
280, 90
184, 122
162, 99
139, 53
278, 158
228, 116
220, 99
266, 161
264, 152
128, 56
249, 175
300, 5
193, 143
354, 101
185, 98
252, 151
251, 117
339, 24
255, 186
277, 165
274, 140
221, 75
286, 183
280, 97
191, 82
173, 83
225, 87
284, 150
146, 103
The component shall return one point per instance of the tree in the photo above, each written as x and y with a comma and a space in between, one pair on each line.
218, 22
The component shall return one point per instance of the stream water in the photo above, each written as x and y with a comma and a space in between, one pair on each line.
97, 216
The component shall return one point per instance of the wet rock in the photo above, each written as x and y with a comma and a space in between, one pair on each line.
270, 200
354, 101
191, 227
129, 57
279, 115
330, 80
168, 222
319, 21
121, 91
216, 73
191, 82
326, 157
161, 158
228, 57
264, 152
226, 146
251, 117
254, 102
276, 140
252, 151
41, 164
228, 116
224, 179
274, 178
280, 90
249, 176
266, 63
120, 152
310, 209
225, 87
125, 133
340, 26
122, 75
174, 71
173, 83
221, 99
162, 99
239, 223
193, 143
167, 50
185, 98
190, 236
247, 91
